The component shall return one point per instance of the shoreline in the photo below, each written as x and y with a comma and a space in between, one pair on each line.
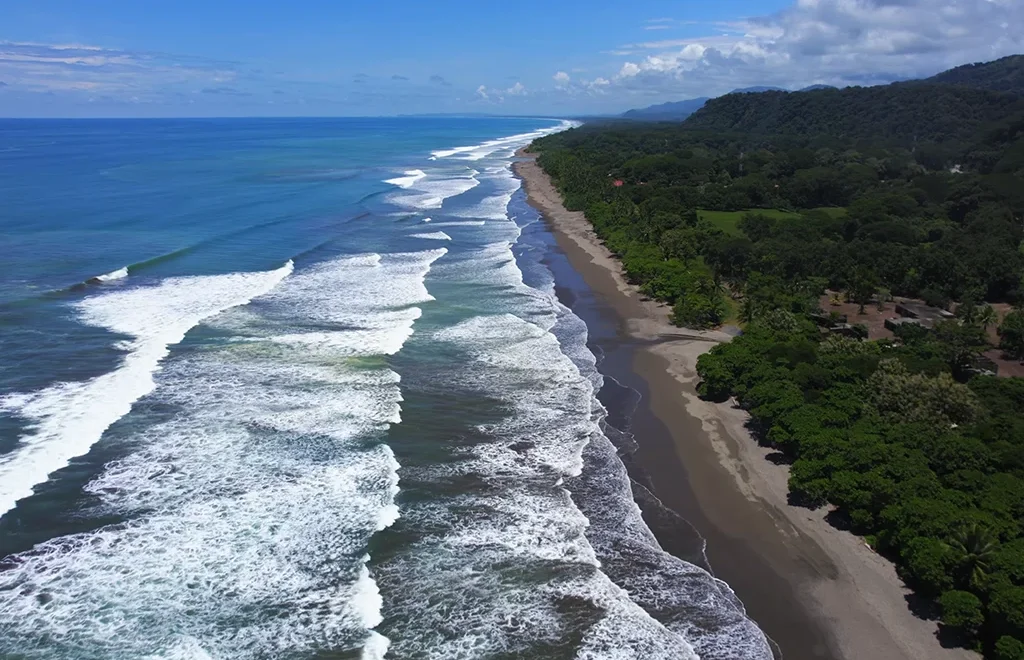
816, 591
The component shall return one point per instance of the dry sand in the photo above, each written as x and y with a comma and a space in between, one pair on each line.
851, 601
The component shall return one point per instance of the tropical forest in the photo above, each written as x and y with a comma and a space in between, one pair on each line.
804, 218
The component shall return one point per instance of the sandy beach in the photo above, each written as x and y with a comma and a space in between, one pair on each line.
816, 591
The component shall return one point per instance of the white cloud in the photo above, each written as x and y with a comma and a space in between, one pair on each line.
78, 68
629, 70
516, 90
481, 91
562, 78
837, 41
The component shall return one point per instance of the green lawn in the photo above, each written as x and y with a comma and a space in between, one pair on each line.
728, 221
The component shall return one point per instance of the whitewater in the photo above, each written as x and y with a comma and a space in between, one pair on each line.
386, 445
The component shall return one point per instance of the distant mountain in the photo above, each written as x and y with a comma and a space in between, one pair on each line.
680, 110
673, 111
756, 90
1006, 75
1002, 75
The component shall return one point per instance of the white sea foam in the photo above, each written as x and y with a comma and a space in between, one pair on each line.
460, 593
434, 187
460, 223
118, 274
66, 419
510, 144
410, 178
536, 362
495, 206
251, 506
436, 236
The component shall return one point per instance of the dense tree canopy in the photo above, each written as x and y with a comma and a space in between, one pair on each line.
902, 112
754, 206
1002, 75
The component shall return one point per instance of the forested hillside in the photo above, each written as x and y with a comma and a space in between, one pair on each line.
905, 113
757, 205
1002, 75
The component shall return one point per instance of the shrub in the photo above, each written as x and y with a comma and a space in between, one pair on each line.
962, 609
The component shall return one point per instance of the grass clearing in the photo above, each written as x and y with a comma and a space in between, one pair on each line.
728, 221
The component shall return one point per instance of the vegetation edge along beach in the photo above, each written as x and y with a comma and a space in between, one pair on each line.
894, 433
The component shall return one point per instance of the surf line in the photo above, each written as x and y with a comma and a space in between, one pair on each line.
68, 418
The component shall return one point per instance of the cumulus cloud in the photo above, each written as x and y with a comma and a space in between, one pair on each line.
562, 78
834, 41
498, 95
438, 80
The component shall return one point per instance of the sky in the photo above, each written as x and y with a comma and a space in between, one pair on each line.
171, 58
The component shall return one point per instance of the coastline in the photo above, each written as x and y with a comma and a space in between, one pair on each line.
816, 591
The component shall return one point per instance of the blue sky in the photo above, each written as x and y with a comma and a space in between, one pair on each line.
326, 58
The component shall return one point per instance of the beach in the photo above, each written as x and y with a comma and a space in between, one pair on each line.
815, 590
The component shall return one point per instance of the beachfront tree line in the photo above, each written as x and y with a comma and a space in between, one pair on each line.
753, 221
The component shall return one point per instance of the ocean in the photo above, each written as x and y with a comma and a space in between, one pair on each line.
306, 389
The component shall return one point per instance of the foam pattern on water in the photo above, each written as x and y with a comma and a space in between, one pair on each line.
548, 550
429, 190
68, 418
502, 147
502, 185
508, 569
434, 236
249, 506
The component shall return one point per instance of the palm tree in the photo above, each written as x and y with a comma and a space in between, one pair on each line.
967, 312
748, 310
974, 547
985, 317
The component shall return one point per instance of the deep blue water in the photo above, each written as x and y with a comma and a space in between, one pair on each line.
303, 389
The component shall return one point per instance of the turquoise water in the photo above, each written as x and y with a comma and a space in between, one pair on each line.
303, 389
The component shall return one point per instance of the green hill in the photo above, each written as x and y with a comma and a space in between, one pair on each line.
1002, 75
908, 112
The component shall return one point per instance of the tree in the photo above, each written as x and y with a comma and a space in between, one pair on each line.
900, 396
883, 296
1011, 335
986, 317
974, 547
967, 311
748, 311
1007, 611
962, 610
927, 561
679, 244
961, 345
863, 285
1009, 648
757, 226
